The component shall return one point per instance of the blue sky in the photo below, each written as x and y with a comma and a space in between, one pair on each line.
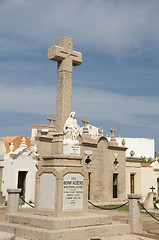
118, 81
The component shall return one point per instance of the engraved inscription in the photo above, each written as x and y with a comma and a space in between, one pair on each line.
73, 191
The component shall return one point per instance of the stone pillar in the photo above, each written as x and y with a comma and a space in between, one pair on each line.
134, 213
13, 200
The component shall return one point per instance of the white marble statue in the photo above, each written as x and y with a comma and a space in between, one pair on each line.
71, 130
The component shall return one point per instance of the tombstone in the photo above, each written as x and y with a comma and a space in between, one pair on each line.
150, 199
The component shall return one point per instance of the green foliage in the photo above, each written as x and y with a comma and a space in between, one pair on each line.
144, 160
149, 160
123, 208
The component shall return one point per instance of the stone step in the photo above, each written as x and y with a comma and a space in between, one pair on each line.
55, 223
17, 238
7, 227
7, 236
78, 233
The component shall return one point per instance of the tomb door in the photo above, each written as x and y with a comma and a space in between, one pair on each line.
22, 182
115, 185
132, 183
89, 185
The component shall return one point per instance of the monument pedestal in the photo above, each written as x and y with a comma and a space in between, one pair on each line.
61, 186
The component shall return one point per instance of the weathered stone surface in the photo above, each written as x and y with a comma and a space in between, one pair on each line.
88, 219
6, 236
126, 237
78, 233
13, 200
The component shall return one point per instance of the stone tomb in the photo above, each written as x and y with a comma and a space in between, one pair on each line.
61, 186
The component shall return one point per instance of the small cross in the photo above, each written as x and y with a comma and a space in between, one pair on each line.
51, 119
152, 188
112, 130
132, 153
85, 121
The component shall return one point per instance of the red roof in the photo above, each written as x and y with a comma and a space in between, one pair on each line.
16, 140
40, 125
145, 164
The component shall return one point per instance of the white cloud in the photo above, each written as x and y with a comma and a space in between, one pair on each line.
127, 110
97, 105
25, 99
117, 26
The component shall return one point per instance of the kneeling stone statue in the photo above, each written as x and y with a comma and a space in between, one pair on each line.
71, 130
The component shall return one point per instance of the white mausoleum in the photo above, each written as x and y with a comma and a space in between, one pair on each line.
17, 166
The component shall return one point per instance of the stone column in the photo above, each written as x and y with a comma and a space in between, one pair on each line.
13, 200
134, 213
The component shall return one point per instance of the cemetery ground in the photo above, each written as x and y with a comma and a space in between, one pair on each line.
150, 225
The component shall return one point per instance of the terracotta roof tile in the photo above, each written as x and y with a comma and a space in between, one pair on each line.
40, 125
16, 140
145, 164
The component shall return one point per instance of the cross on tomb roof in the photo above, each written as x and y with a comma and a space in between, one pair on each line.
152, 188
51, 119
85, 121
112, 136
132, 153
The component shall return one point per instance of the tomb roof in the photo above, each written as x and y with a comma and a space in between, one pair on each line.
145, 164
16, 140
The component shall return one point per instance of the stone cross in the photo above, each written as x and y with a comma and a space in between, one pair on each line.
51, 119
132, 153
152, 188
112, 136
66, 58
51, 126
85, 121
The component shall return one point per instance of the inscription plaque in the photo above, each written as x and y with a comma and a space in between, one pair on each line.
71, 150
47, 191
73, 191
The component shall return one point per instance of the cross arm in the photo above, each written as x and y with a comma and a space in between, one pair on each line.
56, 53
76, 58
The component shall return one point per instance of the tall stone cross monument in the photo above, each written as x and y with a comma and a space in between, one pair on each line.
66, 57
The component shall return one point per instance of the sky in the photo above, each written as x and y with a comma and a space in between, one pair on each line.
118, 81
